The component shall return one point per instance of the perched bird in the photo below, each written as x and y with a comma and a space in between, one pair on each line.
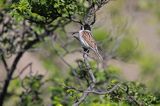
87, 41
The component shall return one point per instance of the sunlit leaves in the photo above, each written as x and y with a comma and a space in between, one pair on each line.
44, 10
24, 6
31, 91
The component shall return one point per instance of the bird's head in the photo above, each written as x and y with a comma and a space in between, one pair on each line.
86, 27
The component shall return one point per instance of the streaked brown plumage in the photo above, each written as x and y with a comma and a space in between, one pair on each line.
88, 42
89, 39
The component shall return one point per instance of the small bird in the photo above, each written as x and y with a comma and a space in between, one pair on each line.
87, 41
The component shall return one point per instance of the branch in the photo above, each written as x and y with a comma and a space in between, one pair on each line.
104, 92
85, 56
91, 90
91, 86
12, 70
5, 63
9, 77
84, 95
96, 91
21, 72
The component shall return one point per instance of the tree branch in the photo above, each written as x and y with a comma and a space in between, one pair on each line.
12, 70
92, 84
104, 92
5, 63
84, 95
21, 72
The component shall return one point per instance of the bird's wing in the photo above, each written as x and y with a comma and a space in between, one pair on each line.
87, 36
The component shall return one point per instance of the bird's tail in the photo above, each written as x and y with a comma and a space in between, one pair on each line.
99, 56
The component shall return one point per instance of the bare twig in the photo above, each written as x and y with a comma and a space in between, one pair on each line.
94, 91
24, 69
5, 63
105, 92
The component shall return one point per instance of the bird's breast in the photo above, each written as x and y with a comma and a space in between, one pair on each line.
82, 40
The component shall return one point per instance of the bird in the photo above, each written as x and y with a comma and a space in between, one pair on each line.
87, 41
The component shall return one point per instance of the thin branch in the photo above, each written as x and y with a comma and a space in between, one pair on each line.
85, 56
84, 95
91, 86
21, 72
96, 91
105, 92
5, 63
12, 70
9, 77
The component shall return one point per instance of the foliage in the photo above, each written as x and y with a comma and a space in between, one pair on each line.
31, 94
128, 93
45, 11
